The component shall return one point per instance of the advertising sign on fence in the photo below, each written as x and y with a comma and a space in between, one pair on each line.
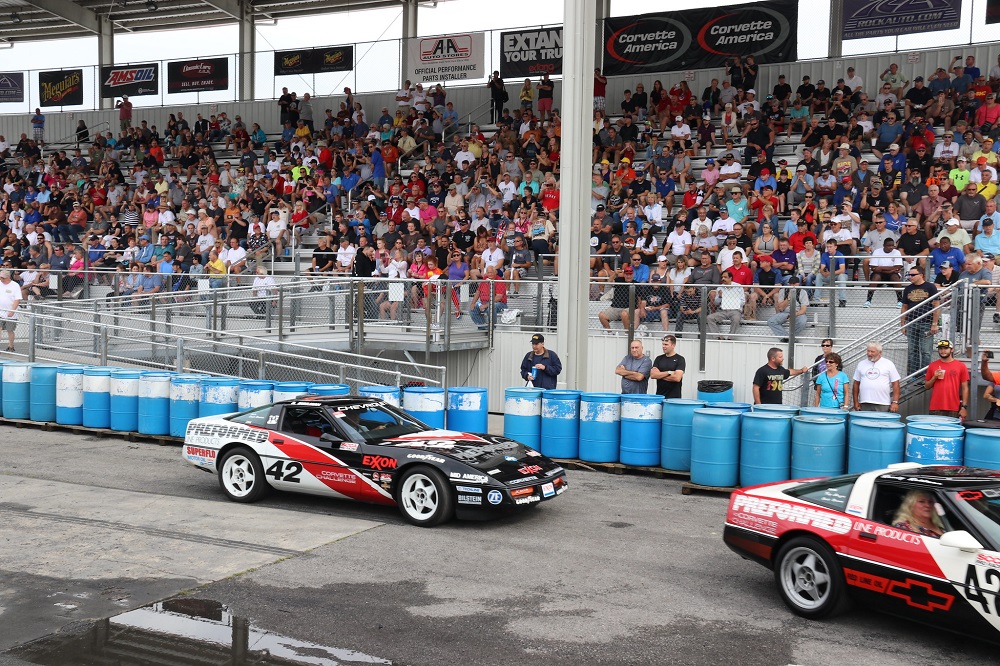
526, 53
60, 88
133, 80
314, 61
446, 58
878, 18
700, 38
11, 86
198, 75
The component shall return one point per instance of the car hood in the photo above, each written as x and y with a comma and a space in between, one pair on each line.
499, 457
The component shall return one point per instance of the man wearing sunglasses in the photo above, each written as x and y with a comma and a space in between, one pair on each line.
916, 319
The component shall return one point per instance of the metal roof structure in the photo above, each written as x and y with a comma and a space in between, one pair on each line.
21, 20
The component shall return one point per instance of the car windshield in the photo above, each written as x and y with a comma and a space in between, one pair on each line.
375, 421
981, 507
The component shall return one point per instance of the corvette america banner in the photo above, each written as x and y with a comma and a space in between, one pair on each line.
700, 38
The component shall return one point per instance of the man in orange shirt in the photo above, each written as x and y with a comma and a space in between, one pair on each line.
948, 382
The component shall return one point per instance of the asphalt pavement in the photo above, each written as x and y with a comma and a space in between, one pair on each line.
618, 570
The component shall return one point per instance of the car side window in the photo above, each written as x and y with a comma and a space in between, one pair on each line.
831, 493
306, 421
257, 417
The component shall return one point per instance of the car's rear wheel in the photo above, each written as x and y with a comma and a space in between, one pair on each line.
424, 497
809, 579
241, 475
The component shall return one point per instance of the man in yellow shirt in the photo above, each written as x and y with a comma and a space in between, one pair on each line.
986, 151
302, 132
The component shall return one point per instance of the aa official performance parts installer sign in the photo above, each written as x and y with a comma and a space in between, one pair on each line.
60, 88
700, 38
132, 80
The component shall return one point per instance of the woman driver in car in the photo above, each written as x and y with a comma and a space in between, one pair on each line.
918, 514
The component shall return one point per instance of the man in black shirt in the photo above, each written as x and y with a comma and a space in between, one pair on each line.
768, 381
805, 91
463, 239
913, 243
917, 98
620, 301
782, 92
668, 369
629, 131
919, 298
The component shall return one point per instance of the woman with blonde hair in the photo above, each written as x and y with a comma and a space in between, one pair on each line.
918, 513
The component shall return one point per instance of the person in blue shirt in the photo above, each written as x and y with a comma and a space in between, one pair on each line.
838, 274
150, 282
784, 260
258, 138
986, 242
145, 253
166, 265
945, 252
287, 134
349, 181
33, 215
641, 270
450, 115
664, 185
540, 367
765, 179
385, 118
378, 165
845, 191
833, 386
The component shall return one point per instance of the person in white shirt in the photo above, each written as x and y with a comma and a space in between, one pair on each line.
976, 175
404, 97
10, 298
853, 81
725, 257
265, 289
464, 155
679, 241
886, 265
731, 171
277, 231
876, 383
492, 256
947, 149
729, 301
507, 188
346, 254
653, 210
234, 257
681, 132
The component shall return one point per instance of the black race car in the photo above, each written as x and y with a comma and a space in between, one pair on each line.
365, 449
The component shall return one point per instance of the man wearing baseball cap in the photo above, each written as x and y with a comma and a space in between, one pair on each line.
540, 366
948, 382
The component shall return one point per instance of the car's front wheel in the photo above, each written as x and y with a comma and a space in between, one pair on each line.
424, 497
241, 475
809, 579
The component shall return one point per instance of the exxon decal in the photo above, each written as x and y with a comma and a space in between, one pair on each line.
123, 77
752, 30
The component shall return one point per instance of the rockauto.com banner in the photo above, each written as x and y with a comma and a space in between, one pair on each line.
61, 88
882, 18
198, 75
132, 80
446, 58
11, 86
314, 61
531, 53
700, 38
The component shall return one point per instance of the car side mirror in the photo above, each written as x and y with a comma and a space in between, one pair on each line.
962, 540
330, 438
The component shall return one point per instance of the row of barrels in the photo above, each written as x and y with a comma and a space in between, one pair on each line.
725, 444
160, 403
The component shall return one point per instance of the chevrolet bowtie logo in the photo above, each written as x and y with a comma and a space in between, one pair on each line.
920, 595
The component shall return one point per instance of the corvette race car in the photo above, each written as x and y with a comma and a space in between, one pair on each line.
365, 449
832, 540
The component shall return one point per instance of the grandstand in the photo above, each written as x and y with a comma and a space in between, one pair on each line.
371, 307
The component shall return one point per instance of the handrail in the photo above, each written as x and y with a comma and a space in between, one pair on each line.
103, 123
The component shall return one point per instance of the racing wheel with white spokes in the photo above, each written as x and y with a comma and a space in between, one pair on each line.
241, 475
809, 578
425, 497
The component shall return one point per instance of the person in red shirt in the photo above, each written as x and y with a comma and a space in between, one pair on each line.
625, 173
922, 136
741, 272
550, 195
798, 239
948, 382
766, 197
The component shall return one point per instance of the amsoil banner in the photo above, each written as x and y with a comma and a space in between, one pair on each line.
700, 38
132, 80
11, 86
62, 88
446, 58
526, 53
314, 61
881, 18
198, 75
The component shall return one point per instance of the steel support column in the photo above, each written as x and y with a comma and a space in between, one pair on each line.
248, 52
603, 9
105, 56
409, 30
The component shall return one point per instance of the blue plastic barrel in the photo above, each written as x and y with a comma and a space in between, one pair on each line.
874, 444
675, 434
934, 443
69, 394
600, 426
16, 390
876, 416
125, 400
97, 397
819, 446
642, 420
424, 403
715, 447
185, 402
731, 406
330, 389
825, 411
389, 394
219, 395
522, 416
154, 403
932, 418
715, 391
467, 409
254, 393
42, 392
765, 447
289, 390
782, 409
561, 423
982, 448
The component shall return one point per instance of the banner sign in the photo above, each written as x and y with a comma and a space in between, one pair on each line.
525, 53
11, 86
446, 58
314, 61
700, 38
60, 88
992, 11
878, 18
198, 75
132, 80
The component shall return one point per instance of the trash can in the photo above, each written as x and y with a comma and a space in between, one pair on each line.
715, 390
